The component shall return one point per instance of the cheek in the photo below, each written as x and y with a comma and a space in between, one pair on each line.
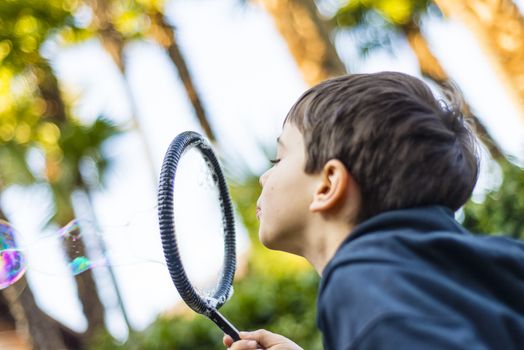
269, 187
269, 200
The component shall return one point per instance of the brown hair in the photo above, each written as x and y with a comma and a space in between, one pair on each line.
402, 146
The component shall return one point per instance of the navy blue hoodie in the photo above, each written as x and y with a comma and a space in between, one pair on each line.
416, 279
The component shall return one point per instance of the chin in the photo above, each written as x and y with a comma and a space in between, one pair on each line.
274, 241
265, 239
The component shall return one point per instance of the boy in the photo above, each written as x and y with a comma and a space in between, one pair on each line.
370, 169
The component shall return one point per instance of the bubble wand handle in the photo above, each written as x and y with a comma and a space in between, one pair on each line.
224, 324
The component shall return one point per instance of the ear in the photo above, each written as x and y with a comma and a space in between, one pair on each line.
334, 181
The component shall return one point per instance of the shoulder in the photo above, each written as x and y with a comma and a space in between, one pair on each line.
388, 282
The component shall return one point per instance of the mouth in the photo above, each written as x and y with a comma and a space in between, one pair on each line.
259, 211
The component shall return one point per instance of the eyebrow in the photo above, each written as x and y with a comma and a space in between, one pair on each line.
280, 142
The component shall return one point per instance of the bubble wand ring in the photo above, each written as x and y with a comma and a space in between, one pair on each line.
205, 306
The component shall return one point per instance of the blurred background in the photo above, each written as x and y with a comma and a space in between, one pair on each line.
93, 91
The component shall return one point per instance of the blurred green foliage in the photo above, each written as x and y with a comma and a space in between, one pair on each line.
34, 115
502, 211
26, 24
79, 162
377, 24
283, 305
396, 12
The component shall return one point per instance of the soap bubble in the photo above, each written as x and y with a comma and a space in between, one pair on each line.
78, 262
12, 261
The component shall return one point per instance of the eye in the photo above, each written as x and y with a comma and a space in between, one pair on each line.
274, 161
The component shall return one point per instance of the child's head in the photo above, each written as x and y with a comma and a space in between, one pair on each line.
402, 147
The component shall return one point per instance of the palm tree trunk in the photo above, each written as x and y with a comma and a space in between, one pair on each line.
30, 321
7, 321
87, 291
307, 37
88, 210
114, 43
431, 68
48, 87
92, 306
499, 26
164, 34
86, 288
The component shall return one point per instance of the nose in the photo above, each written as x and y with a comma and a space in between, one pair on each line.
263, 177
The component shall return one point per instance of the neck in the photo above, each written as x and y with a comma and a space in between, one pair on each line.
323, 243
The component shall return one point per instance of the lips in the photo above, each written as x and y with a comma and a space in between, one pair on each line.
259, 211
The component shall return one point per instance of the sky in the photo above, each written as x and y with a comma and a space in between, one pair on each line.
248, 81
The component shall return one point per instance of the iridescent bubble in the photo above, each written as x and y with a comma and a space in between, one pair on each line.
7, 236
76, 250
12, 267
72, 237
80, 264
71, 231
12, 262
